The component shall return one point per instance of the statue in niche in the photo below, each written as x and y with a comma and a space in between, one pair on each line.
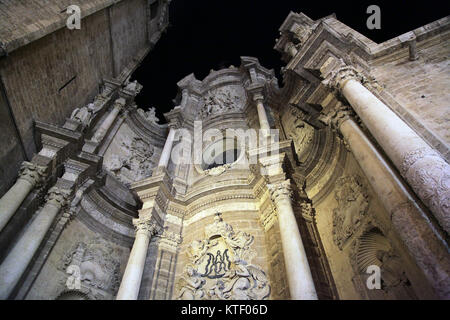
353, 204
84, 114
149, 115
220, 267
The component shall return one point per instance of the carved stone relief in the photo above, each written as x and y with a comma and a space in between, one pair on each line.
353, 203
85, 114
149, 115
222, 100
301, 134
136, 165
373, 248
91, 266
221, 268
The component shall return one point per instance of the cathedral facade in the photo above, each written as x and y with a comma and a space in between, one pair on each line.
331, 185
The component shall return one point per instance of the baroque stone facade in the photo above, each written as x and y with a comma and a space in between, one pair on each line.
333, 174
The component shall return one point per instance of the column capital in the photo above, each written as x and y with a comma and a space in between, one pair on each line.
280, 191
33, 173
338, 115
338, 77
146, 226
120, 103
57, 197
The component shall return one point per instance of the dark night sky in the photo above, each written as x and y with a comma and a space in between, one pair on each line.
211, 34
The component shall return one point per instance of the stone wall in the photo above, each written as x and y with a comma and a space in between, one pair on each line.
61, 69
420, 86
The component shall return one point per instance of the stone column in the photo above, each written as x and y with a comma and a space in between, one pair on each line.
23, 251
429, 251
30, 175
109, 120
165, 155
262, 116
131, 281
424, 169
301, 285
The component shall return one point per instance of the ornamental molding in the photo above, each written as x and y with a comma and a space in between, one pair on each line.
220, 267
170, 240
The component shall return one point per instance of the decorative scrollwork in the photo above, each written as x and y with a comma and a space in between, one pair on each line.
220, 267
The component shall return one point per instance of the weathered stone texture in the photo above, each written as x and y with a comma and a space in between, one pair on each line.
421, 86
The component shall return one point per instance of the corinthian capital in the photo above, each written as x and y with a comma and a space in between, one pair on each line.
32, 172
57, 197
281, 190
339, 77
336, 116
145, 225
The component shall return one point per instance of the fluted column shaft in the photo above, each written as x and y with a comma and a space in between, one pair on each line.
165, 155
301, 285
23, 251
109, 120
411, 223
30, 175
131, 281
424, 169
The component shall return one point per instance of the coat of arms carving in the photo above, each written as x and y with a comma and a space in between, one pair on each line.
353, 203
220, 267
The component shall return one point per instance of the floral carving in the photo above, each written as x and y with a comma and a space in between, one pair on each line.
220, 267
353, 204
32, 172
429, 176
